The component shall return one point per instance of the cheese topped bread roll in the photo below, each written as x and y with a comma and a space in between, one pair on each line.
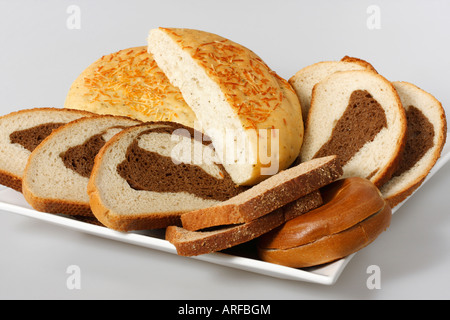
252, 115
129, 83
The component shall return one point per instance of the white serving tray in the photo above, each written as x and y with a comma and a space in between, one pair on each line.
12, 201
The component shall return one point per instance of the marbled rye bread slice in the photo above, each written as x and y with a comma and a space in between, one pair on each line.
426, 136
148, 175
304, 80
358, 116
21, 132
57, 172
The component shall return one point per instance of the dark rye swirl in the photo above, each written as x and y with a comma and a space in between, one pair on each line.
21, 132
57, 172
148, 175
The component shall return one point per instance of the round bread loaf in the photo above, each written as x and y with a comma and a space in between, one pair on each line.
352, 216
426, 136
57, 172
129, 83
21, 132
306, 78
358, 116
148, 175
252, 115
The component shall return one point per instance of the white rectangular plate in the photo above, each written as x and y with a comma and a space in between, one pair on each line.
13, 201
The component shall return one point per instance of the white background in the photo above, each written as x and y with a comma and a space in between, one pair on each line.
40, 57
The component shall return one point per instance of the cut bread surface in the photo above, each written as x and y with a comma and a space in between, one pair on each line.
57, 172
148, 175
306, 78
219, 77
358, 116
129, 83
21, 132
426, 136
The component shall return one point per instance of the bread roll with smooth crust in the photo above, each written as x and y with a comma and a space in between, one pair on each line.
332, 247
352, 216
427, 133
305, 79
358, 116
21, 131
57, 172
236, 97
129, 83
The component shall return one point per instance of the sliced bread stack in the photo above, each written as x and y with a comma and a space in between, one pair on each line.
57, 171
255, 211
426, 136
148, 175
21, 132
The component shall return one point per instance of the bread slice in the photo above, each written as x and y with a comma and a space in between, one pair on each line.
304, 80
193, 243
267, 196
358, 116
426, 136
260, 128
21, 132
148, 175
57, 172
129, 83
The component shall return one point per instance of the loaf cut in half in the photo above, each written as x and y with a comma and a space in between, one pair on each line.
304, 80
352, 216
129, 83
426, 136
193, 243
21, 132
260, 128
148, 175
58, 170
267, 196
358, 116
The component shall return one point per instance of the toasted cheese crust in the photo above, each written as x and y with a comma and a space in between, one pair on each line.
129, 83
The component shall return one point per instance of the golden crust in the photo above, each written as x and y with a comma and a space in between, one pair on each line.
353, 215
55, 205
332, 247
129, 83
